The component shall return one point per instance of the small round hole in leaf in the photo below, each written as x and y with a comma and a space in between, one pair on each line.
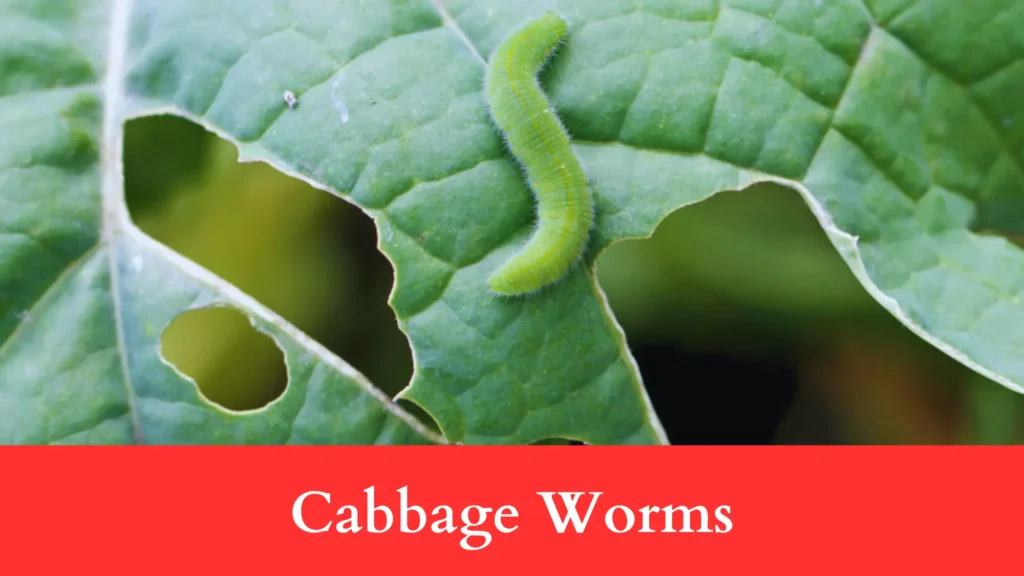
234, 365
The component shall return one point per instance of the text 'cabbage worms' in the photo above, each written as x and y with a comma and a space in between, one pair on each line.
540, 143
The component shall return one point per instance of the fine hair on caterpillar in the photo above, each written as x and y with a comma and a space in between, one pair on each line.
535, 136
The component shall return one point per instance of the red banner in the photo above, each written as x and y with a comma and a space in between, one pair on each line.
455, 510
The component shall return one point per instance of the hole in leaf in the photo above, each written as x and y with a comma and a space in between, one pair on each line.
558, 442
723, 306
234, 365
716, 398
307, 255
749, 328
420, 414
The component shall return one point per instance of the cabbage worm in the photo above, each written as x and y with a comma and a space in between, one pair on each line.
540, 143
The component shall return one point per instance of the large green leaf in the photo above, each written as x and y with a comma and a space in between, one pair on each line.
899, 122
85, 296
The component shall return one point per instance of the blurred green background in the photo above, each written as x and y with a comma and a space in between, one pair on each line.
747, 326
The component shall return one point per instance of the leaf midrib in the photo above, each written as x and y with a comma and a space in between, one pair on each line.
115, 214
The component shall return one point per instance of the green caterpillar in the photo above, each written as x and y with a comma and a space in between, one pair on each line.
540, 143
